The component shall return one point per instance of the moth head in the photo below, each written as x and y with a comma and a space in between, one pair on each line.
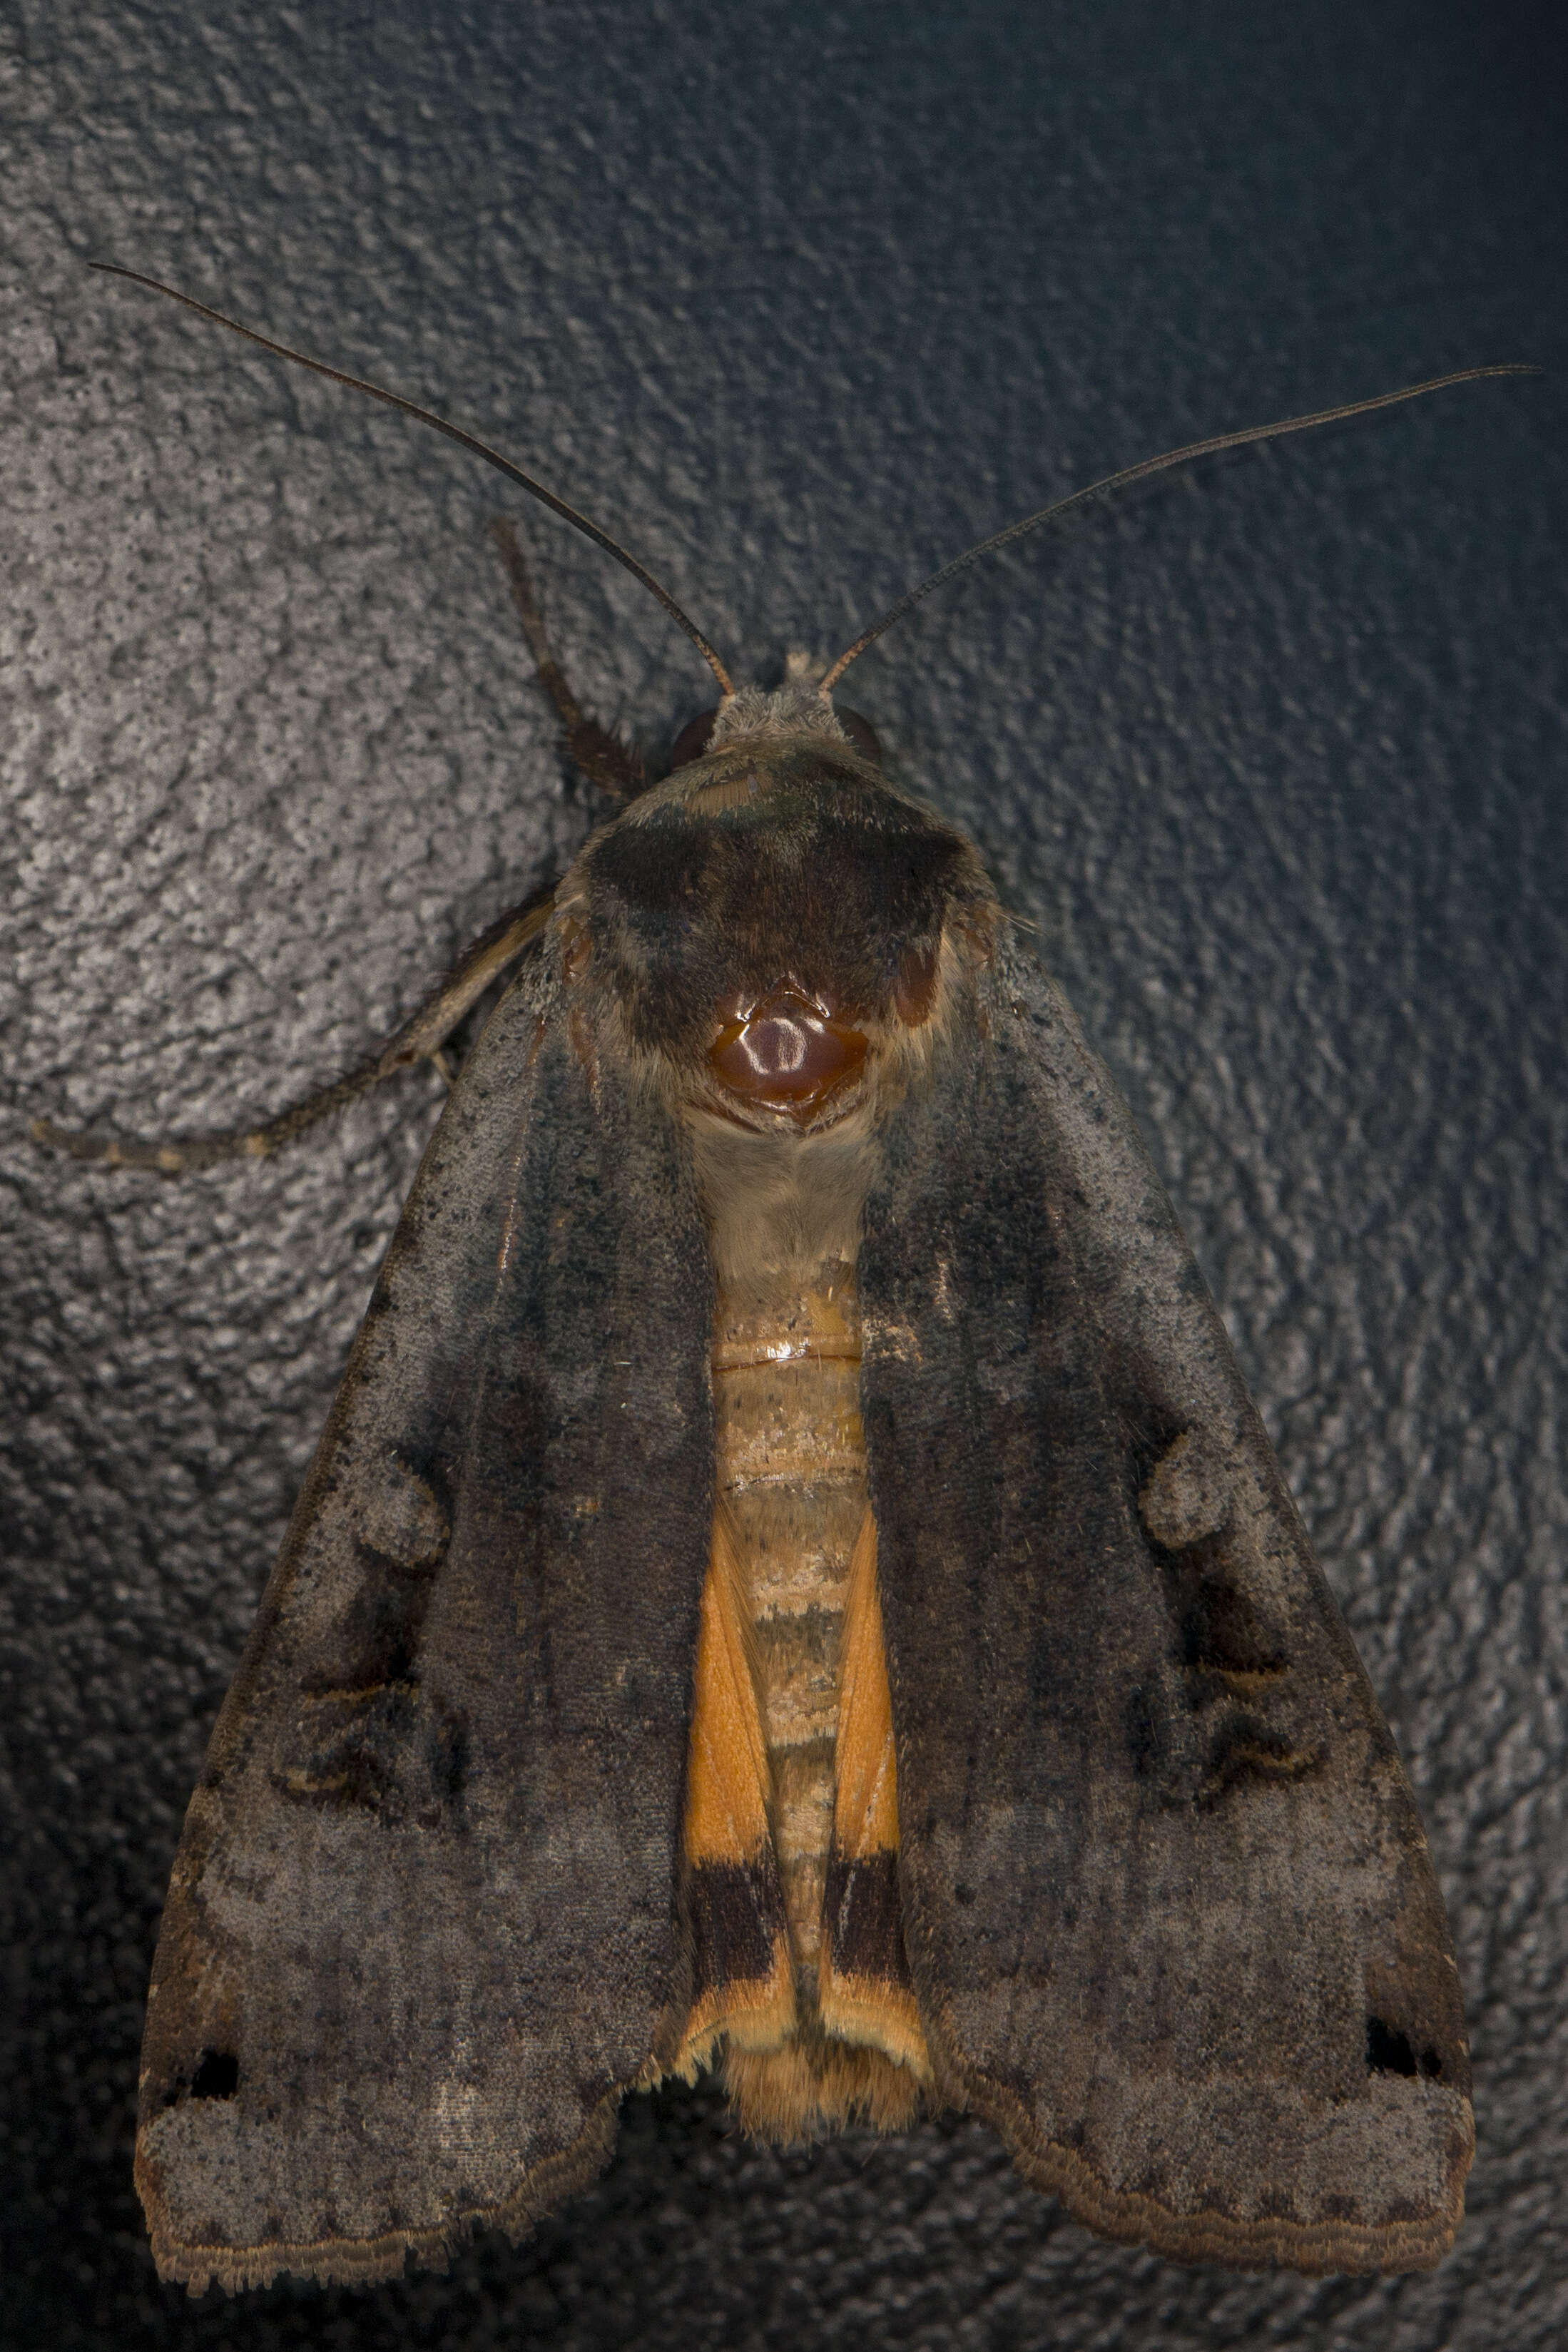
799, 707
777, 927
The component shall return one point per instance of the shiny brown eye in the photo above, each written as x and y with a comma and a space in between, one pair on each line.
693, 738
861, 733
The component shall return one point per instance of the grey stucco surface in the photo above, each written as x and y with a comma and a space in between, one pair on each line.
798, 300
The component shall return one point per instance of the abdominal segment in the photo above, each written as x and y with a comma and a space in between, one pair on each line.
791, 1831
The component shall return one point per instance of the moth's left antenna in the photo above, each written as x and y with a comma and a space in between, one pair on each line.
1247, 438
454, 433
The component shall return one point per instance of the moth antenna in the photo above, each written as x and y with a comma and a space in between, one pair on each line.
1141, 472
454, 433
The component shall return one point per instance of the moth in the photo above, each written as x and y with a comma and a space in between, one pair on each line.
792, 1582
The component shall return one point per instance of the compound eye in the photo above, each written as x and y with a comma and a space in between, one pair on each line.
693, 738
861, 733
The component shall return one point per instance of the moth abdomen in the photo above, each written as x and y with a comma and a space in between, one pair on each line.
790, 1478
791, 1472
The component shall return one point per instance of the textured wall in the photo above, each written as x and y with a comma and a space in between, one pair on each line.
798, 300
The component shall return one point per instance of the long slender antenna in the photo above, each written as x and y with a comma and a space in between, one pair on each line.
1141, 472
454, 433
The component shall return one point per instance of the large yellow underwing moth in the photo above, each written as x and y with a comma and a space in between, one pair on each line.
792, 1581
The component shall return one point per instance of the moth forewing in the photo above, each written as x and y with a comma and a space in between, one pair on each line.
421, 1933
1170, 1915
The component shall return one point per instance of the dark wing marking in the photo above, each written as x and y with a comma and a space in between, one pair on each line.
864, 1991
732, 1902
1169, 1911
422, 1930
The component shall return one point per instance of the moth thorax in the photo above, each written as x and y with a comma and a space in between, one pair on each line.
786, 1052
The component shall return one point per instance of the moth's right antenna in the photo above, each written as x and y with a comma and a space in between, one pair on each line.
1141, 472
453, 432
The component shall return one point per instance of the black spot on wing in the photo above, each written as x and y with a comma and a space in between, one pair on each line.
733, 1913
1389, 2050
865, 1917
217, 2075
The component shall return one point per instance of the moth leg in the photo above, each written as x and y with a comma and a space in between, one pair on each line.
420, 1038
593, 751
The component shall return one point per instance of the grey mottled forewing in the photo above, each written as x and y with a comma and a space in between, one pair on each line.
1168, 1906
421, 1927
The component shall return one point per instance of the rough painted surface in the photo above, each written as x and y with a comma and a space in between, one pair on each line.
1275, 760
